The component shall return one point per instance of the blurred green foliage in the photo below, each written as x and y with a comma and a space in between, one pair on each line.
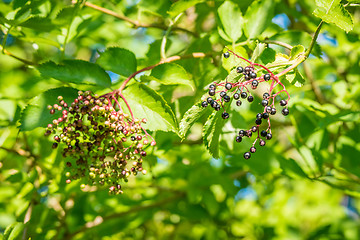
304, 184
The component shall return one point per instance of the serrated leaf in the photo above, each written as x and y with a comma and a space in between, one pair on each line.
39, 23
36, 113
118, 60
170, 74
233, 61
147, 103
268, 56
291, 168
65, 15
259, 49
258, 17
211, 133
14, 231
295, 78
181, 6
296, 51
19, 3
231, 20
76, 71
190, 117
332, 11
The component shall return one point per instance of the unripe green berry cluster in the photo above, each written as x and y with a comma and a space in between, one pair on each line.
102, 144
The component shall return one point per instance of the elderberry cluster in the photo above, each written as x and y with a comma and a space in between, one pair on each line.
249, 77
103, 145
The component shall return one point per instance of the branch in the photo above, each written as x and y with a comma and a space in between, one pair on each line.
313, 40
282, 44
136, 24
101, 220
27, 62
167, 60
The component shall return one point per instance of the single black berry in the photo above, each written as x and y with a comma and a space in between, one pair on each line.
285, 111
212, 92
238, 103
226, 54
247, 70
250, 98
253, 75
236, 96
264, 102
238, 139
258, 121
267, 77
242, 133
263, 133
258, 116
239, 69
225, 115
243, 95
283, 102
226, 98
214, 104
248, 133
247, 77
252, 149
209, 100
228, 86
212, 86
254, 128
268, 136
204, 104
247, 155
265, 115
268, 109
217, 108
266, 95
254, 83
273, 111
262, 142
52, 111
54, 145
222, 93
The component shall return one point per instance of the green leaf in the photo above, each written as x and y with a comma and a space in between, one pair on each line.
147, 103
296, 51
258, 17
36, 113
268, 56
231, 19
291, 168
19, 3
295, 78
14, 231
190, 117
233, 61
259, 49
211, 133
332, 11
39, 23
170, 74
181, 6
76, 71
118, 60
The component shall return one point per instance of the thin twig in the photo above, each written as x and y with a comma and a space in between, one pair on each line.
282, 44
166, 35
137, 24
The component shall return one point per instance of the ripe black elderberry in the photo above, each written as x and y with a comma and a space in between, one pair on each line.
236, 96
228, 86
267, 77
238, 103
247, 155
212, 86
263, 133
250, 98
226, 98
252, 149
253, 75
254, 83
262, 142
209, 100
238, 139
204, 104
268, 136
243, 95
222, 93
226, 54
212, 92
239, 69
283, 102
225, 115
265, 115
264, 102
285, 111
266, 95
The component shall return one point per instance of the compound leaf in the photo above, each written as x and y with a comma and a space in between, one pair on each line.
118, 60
147, 103
76, 71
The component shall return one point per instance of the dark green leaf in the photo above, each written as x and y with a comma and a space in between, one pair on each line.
296, 51
147, 103
76, 71
181, 6
118, 60
259, 49
14, 231
36, 113
190, 117
291, 168
170, 74
19, 3
39, 23
211, 133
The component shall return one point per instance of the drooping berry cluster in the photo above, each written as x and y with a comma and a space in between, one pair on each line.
249, 77
103, 144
